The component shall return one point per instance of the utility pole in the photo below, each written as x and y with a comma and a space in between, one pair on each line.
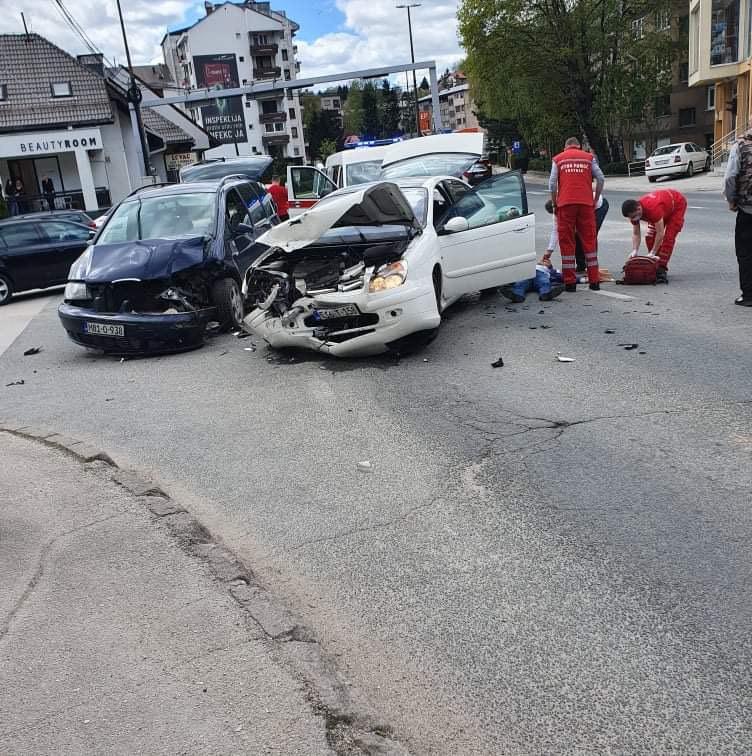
412, 60
134, 97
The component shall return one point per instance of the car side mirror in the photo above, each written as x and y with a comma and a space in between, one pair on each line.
455, 225
92, 233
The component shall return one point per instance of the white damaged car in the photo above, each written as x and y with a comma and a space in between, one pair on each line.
370, 268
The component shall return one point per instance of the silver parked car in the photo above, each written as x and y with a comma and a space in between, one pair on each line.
683, 158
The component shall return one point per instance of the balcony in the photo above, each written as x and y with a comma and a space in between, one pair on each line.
267, 73
277, 138
278, 117
270, 49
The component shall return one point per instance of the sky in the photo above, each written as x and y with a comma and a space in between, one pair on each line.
335, 35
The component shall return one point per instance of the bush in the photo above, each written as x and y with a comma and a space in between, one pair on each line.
540, 164
615, 169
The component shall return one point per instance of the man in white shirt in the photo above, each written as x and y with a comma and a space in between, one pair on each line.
601, 210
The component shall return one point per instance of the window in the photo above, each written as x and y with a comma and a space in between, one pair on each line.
279, 126
710, 94
683, 72
59, 231
294, 132
60, 88
335, 104
663, 20
3, 92
244, 82
241, 59
287, 74
269, 127
663, 106
638, 28
724, 32
20, 234
496, 200
253, 203
296, 151
292, 114
235, 211
687, 117
284, 54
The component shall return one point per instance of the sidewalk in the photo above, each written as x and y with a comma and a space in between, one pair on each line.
702, 182
115, 640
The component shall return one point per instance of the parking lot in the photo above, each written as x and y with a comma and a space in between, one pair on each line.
543, 557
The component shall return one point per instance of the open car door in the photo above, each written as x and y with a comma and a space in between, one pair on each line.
306, 185
487, 237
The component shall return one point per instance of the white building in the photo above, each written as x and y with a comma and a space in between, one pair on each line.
238, 45
67, 119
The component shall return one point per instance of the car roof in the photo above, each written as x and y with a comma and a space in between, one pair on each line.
58, 214
197, 187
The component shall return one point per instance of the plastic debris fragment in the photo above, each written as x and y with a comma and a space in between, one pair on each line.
499, 363
365, 466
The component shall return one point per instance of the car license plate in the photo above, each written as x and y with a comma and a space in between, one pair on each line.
345, 311
104, 329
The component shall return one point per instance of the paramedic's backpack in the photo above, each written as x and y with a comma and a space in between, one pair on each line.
640, 270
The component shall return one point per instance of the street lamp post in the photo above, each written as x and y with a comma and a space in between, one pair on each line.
412, 59
134, 97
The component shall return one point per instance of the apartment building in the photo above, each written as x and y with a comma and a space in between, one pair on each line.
238, 45
456, 105
720, 59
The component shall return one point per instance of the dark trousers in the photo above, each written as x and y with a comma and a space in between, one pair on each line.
743, 240
579, 252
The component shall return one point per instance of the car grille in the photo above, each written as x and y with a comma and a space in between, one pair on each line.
363, 320
129, 296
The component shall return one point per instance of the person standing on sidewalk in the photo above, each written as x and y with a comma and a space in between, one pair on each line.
571, 187
664, 211
738, 190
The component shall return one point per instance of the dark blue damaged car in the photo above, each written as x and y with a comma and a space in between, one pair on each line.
168, 262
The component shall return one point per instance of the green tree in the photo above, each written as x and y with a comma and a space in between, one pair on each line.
326, 148
371, 124
557, 68
353, 110
390, 110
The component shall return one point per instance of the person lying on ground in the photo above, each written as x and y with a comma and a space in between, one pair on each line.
547, 282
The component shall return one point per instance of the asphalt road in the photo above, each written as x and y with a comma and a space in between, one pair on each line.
546, 558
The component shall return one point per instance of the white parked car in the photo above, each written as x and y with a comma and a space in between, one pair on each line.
684, 158
370, 268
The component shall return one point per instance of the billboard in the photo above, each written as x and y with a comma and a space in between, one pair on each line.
223, 119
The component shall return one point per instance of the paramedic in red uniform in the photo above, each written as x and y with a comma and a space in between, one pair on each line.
664, 212
571, 187
279, 195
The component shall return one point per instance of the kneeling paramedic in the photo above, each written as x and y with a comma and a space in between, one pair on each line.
664, 212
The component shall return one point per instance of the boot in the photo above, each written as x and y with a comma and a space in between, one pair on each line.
509, 294
570, 287
661, 276
595, 287
549, 295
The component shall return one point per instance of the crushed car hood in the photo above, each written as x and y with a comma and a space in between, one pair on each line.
145, 260
377, 204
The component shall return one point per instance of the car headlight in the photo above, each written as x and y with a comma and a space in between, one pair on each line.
80, 267
389, 276
76, 290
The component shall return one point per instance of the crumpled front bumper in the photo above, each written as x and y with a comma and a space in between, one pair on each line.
144, 333
401, 312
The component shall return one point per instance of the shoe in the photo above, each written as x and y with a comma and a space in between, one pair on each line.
548, 296
661, 276
510, 295
743, 301
580, 270
594, 287
570, 287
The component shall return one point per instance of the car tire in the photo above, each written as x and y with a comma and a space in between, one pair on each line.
228, 300
652, 179
6, 289
690, 169
707, 165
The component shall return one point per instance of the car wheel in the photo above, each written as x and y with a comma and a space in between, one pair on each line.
227, 299
690, 169
6, 290
652, 179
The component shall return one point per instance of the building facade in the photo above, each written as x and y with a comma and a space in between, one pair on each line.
456, 105
67, 119
720, 61
237, 45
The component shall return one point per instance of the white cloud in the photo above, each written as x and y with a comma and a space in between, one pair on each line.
375, 33
146, 22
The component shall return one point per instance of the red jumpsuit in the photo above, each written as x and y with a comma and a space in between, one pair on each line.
669, 206
575, 212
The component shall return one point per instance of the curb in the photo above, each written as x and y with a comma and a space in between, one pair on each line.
349, 728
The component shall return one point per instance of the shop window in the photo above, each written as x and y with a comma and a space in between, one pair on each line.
724, 32
710, 98
60, 88
687, 117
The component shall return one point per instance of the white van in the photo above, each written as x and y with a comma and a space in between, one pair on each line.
306, 185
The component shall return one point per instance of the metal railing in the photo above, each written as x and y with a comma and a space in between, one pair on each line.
636, 168
719, 151
37, 203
